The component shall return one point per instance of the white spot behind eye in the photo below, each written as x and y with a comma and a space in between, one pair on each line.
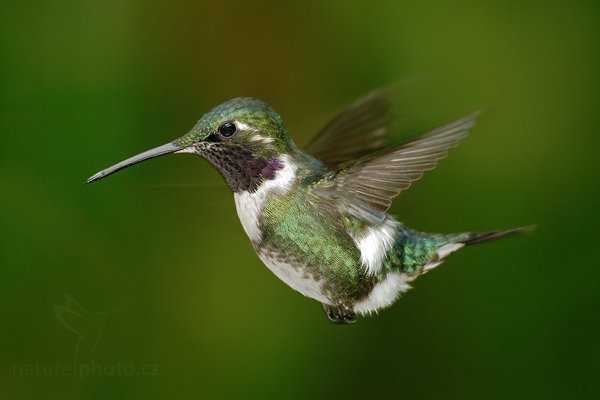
245, 127
256, 137
261, 139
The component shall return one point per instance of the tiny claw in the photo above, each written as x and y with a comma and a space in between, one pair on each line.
340, 315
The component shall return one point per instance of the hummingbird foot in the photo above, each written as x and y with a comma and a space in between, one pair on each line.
340, 314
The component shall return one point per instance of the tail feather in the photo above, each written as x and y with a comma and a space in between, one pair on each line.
479, 237
417, 253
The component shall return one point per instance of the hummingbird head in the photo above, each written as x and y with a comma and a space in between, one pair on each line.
243, 138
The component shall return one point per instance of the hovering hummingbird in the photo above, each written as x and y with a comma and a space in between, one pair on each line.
318, 218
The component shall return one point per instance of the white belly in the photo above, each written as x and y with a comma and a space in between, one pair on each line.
295, 278
249, 207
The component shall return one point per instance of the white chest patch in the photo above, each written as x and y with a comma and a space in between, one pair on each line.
295, 278
374, 244
249, 205
383, 294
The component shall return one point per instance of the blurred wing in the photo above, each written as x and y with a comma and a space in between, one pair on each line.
361, 129
367, 187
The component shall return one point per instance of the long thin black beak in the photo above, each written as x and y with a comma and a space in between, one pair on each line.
157, 151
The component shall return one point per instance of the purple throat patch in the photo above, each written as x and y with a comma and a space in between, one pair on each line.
243, 171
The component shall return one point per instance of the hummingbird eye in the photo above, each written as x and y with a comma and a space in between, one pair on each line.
227, 129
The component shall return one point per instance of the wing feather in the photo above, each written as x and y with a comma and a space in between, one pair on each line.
367, 186
359, 130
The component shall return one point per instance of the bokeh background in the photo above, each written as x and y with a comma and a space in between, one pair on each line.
145, 284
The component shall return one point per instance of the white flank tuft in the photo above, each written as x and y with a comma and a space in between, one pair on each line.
383, 294
375, 243
249, 205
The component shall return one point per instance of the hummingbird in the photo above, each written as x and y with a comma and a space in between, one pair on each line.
318, 217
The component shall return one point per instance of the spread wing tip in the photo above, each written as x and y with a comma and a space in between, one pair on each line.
371, 182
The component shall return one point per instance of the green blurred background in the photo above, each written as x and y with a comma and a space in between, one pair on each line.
196, 315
